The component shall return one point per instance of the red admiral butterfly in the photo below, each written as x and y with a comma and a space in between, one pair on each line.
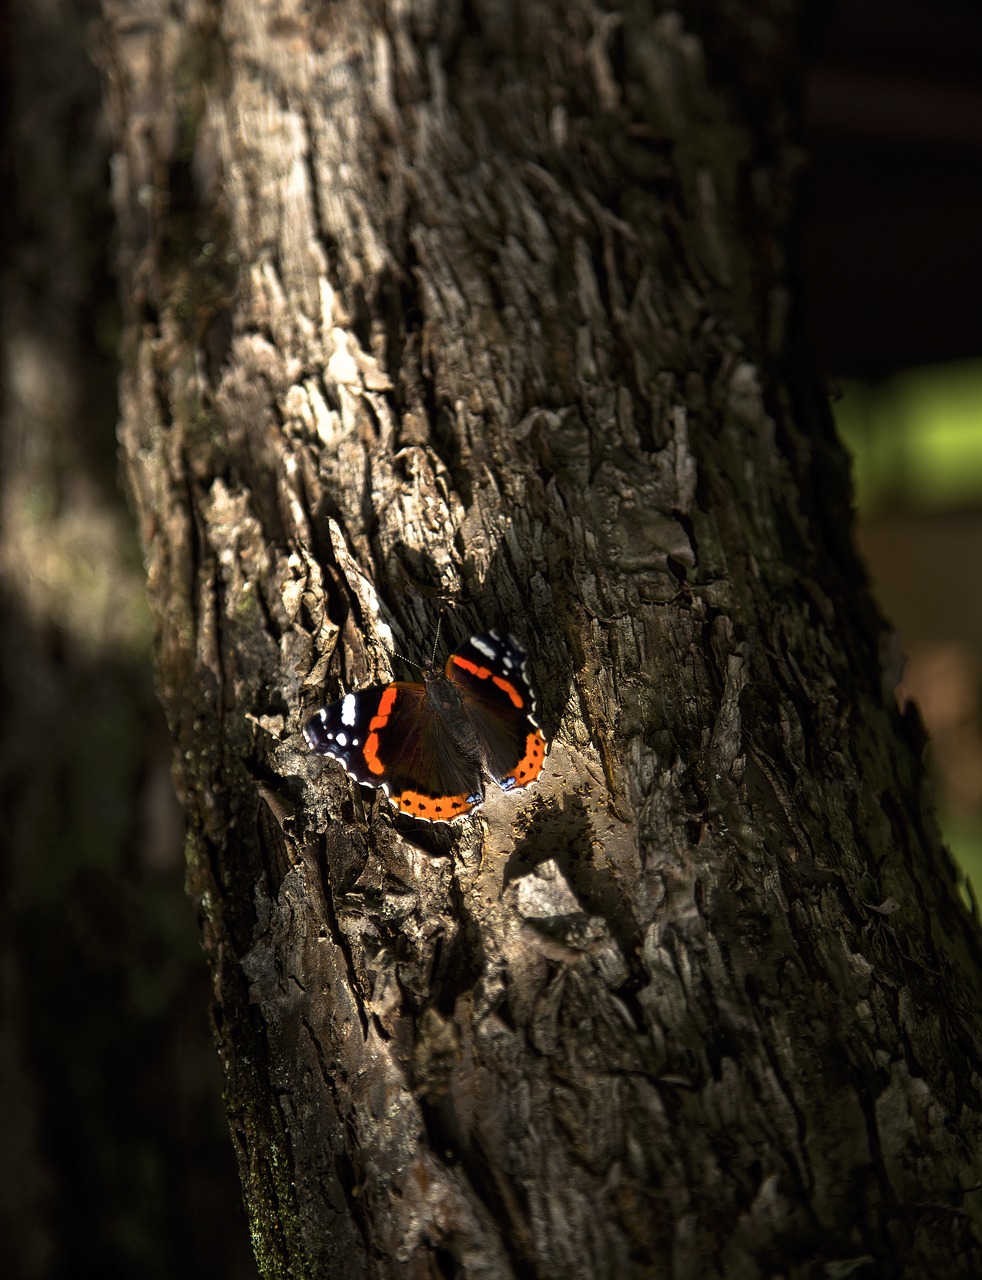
430, 746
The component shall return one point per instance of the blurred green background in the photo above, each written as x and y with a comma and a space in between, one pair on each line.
916, 443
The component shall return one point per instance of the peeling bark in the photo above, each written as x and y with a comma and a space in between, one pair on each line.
488, 310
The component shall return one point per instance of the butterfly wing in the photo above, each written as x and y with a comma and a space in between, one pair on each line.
388, 736
489, 673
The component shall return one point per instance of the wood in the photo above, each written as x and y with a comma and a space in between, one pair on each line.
497, 318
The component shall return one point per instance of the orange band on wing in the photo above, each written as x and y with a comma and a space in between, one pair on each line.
485, 673
379, 720
530, 765
434, 808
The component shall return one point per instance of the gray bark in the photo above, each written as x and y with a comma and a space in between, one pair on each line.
488, 309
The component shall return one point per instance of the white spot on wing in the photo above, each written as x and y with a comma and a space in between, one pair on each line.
482, 646
348, 710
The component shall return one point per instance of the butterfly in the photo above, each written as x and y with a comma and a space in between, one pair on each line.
432, 745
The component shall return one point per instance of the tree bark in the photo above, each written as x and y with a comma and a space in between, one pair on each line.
489, 310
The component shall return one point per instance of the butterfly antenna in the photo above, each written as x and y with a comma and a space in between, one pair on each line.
411, 661
436, 638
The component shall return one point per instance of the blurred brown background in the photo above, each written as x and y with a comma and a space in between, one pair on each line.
893, 279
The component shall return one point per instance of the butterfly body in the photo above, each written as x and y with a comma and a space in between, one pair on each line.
431, 746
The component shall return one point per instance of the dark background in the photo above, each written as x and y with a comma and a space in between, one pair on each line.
892, 276
892, 267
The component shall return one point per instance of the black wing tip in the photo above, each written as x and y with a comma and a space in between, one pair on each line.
314, 732
506, 637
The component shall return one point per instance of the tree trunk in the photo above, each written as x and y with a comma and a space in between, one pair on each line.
488, 311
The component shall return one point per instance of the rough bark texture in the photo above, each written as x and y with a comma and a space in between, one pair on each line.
488, 308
